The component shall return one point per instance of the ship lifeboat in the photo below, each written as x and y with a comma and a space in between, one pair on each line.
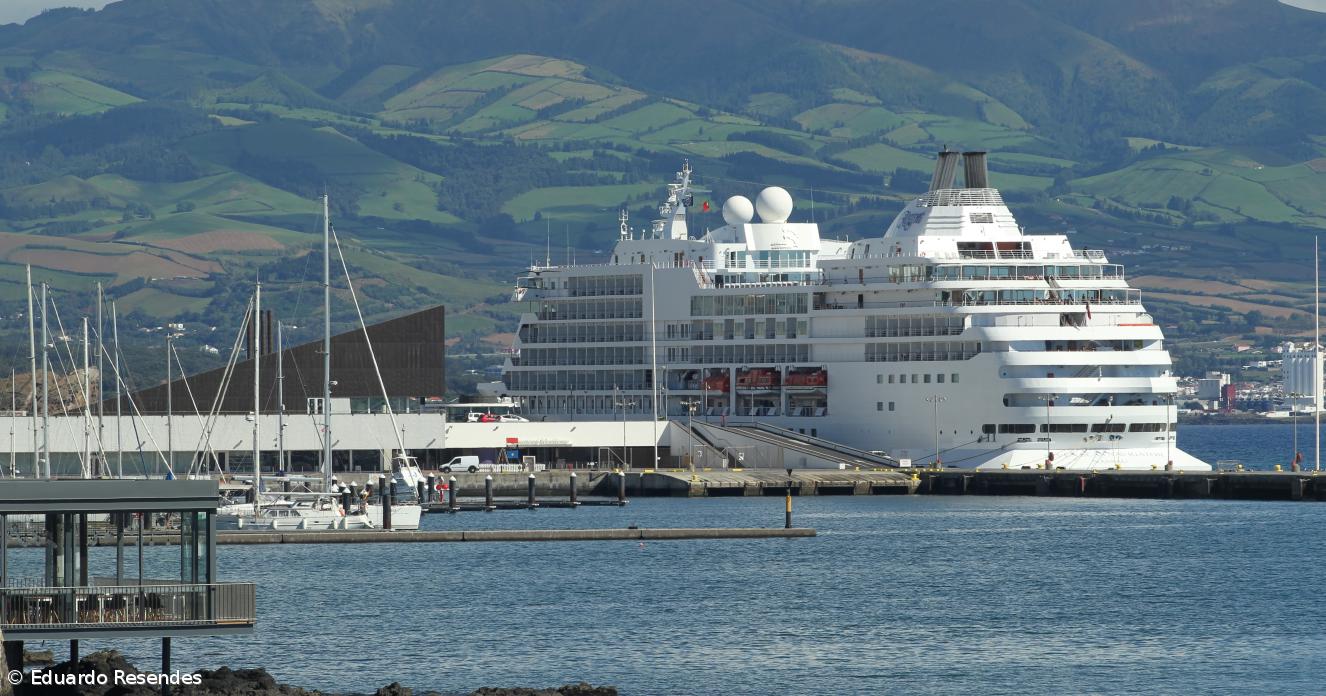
717, 383
758, 378
808, 378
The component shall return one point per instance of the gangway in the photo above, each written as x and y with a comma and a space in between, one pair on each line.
710, 450
793, 441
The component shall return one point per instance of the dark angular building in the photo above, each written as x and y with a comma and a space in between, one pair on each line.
410, 352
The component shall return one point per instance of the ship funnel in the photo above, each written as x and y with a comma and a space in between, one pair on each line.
946, 170
975, 172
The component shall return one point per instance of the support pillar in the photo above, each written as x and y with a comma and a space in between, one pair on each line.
165, 664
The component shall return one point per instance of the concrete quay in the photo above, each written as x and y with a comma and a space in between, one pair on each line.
771, 482
645, 483
1229, 485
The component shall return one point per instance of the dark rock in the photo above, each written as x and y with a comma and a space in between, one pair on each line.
581, 689
586, 689
394, 689
38, 657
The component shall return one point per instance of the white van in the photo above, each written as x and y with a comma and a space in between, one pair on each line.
466, 462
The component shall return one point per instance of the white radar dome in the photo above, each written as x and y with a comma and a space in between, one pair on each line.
774, 204
738, 210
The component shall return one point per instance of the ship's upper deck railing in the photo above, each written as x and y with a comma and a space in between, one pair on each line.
979, 298
918, 273
978, 254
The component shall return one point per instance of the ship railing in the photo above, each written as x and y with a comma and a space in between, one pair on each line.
905, 333
977, 272
826, 305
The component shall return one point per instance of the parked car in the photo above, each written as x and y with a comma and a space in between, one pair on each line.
467, 462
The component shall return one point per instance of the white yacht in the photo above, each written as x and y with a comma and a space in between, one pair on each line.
950, 336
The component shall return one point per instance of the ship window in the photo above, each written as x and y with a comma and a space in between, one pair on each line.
890, 405
879, 405
879, 379
890, 379
1017, 428
927, 378
955, 378
940, 378
982, 218
988, 428
915, 378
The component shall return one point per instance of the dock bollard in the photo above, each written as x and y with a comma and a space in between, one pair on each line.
345, 501
533, 501
384, 496
451, 494
432, 488
573, 490
419, 491
488, 493
621, 488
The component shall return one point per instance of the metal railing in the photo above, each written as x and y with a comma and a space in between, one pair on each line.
114, 606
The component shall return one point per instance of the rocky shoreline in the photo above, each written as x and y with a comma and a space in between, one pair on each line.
101, 669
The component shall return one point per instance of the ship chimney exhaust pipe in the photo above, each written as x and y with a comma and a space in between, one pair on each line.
946, 170
976, 173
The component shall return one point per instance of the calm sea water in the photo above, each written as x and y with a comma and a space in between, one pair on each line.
913, 595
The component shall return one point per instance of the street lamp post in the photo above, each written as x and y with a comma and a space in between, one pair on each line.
1049, 455
935, 400
622, 403
1293, 413
1169, 445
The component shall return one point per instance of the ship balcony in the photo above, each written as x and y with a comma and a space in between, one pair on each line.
104, 610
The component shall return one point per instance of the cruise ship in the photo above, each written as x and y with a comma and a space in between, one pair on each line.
952, 338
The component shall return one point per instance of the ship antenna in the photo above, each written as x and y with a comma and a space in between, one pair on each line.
547, 243
625, 230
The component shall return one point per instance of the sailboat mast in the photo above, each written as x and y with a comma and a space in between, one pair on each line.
87, 408
255, 334
101, 377
45, 387
280, 399
170, 406
326, 344
13, 415
115, 364
1316, 352
32, 381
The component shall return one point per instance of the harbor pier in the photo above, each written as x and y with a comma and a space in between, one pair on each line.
1228, 485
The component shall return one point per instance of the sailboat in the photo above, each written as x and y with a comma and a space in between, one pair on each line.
323, 509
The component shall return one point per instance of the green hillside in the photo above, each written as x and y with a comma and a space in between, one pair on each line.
173, 152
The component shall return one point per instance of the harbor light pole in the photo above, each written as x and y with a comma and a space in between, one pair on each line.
622, 403
1293, 415
935, 400
1169, 444
1049, 455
